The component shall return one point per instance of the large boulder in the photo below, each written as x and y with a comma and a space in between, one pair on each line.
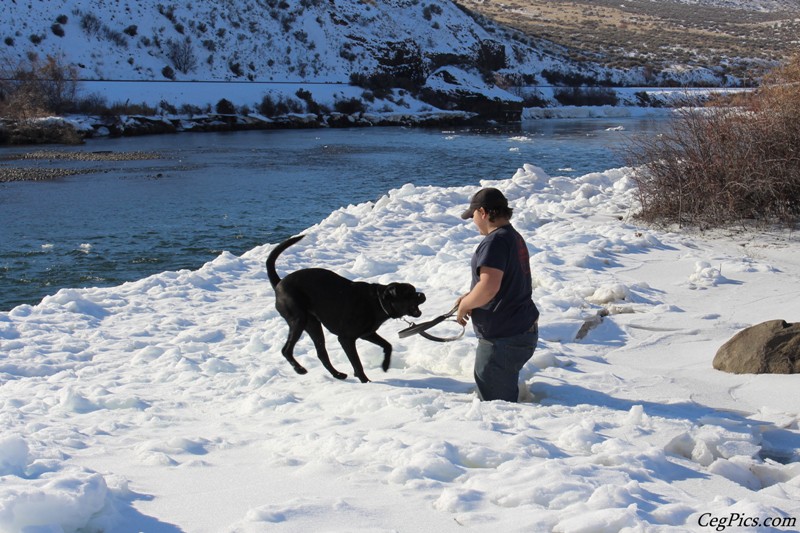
772, 347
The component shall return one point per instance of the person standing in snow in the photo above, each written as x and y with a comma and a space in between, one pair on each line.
500, 303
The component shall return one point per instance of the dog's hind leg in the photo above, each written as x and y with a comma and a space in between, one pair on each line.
374, 338
314, 330
349, 346
296, 326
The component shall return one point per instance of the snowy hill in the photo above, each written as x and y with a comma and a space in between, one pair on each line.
396, 42
274, 40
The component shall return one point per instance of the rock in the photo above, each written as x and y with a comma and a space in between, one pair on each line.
38, 131
452, 88
772, 347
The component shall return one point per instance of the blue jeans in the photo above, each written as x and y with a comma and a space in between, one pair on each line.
499, 361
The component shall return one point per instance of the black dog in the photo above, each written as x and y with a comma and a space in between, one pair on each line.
313, 297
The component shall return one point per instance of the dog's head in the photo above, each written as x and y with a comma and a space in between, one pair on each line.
403, 299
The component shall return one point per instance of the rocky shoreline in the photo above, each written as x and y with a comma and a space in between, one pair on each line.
104, 155
8, 175
41, 173
76, 129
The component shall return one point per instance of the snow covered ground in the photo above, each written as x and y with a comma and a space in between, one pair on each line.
164, 405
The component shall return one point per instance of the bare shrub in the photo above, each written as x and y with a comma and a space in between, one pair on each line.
270, 107
225, 107
37, 87
182, 55
91, 24
349, 106
91, 104
236, 68
312, 106
722, 165
115, 37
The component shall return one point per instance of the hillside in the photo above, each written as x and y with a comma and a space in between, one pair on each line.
301, 40
255, 40
481, 59
735, 36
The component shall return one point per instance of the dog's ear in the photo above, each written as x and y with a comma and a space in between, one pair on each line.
400, 290
392, 290
402, 299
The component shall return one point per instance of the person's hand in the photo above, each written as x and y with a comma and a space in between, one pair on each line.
463, 313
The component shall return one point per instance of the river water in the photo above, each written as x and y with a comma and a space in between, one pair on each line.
210, 192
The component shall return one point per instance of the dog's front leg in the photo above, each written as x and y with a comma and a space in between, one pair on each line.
374, 338
349, 346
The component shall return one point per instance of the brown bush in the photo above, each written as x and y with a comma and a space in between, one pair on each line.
721, 165
36, 88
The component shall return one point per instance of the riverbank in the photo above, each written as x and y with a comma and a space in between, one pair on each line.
74, 129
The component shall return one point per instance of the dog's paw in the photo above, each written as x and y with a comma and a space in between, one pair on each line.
339, 375
300, 370
385, 365
363, 378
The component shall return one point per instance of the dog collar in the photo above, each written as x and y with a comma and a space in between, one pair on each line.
380, 301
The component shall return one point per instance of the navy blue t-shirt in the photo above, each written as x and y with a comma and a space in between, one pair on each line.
512, 311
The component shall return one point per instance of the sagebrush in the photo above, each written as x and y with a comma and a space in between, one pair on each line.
714, 166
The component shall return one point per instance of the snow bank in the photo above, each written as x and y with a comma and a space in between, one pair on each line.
164, 404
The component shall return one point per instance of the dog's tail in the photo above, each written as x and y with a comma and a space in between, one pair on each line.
274, 279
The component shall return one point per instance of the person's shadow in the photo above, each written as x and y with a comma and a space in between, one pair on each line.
433, 382
133, 521
778, 444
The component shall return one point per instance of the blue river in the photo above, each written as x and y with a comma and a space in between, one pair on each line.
211, 192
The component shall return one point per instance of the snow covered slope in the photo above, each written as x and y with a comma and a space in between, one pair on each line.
277, 40
286, 40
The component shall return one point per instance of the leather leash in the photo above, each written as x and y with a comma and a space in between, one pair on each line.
420, 329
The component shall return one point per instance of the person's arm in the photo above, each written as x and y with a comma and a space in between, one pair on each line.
481, 294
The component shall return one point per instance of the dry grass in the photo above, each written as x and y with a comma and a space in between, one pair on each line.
651, 34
